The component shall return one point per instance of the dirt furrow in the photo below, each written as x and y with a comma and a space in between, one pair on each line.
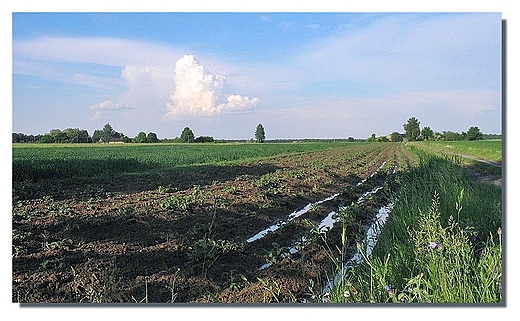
190, 244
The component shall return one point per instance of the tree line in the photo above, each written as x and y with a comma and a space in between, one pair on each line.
109, 135
413, 132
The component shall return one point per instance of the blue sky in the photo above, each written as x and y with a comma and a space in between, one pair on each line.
301, 75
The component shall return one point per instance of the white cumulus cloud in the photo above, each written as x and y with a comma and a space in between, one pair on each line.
199, 92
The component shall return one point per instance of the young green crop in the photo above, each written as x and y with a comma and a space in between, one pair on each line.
36, 162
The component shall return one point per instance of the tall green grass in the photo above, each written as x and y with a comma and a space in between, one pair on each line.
441, 243
483, 149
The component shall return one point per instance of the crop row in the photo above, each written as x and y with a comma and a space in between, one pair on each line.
138, 245
36, 163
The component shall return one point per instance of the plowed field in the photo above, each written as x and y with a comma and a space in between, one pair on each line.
187, 235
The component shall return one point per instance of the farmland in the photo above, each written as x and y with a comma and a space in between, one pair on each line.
71, 160
490, 150
250, 223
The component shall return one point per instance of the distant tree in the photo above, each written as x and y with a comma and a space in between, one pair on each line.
260, 134
492, 136
54, 136
84, 137
46, 139
72, 135
76, 135
23, 138
412, 129
107, 133
396, 137
451, 136
125, 139
141, 137
372, 138
350, 139
96, 135
204, 139
151, 138
427, 133
474, 134
187, 135
58, 136
383, 139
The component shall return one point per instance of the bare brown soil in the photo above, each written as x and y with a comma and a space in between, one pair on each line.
180, 236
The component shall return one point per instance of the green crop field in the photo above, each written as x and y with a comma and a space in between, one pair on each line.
256, 223
37, 162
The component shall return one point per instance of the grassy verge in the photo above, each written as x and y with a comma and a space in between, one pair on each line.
490, 150
441, 243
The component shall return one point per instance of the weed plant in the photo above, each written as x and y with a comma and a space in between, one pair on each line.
441, 244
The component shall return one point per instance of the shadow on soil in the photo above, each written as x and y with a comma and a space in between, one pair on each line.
92, 187
127, 257
115, 254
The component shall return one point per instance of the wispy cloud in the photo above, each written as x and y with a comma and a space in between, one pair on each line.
98, 50
369, 74
108, 106
93, 62
409, 52
455, 110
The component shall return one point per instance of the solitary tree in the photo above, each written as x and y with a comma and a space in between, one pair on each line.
187, 135
474, 134
372, 138
412, 129
260, 134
